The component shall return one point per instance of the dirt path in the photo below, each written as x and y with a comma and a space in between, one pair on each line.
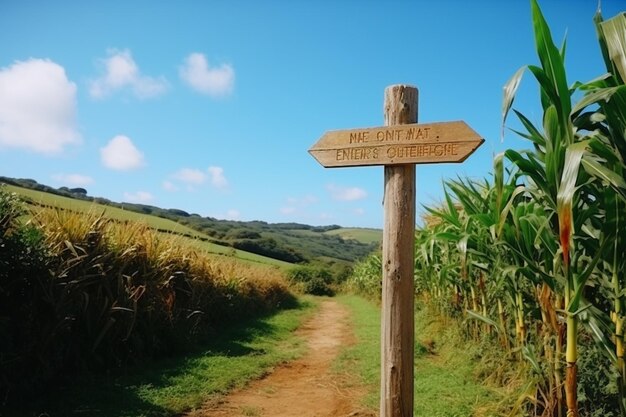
305, 387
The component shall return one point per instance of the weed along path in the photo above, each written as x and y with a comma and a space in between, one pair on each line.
306, 387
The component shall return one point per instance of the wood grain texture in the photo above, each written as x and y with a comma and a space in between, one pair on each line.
397, 321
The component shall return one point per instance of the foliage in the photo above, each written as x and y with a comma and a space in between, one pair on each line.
270, 248
22, 261
366, 278
534, 258
83, 293
312, 280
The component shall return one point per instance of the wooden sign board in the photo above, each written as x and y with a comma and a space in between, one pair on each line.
395, 145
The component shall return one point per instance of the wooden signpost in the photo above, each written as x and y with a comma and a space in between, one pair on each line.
399, 145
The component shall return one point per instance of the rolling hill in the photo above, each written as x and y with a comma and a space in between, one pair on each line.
281, 244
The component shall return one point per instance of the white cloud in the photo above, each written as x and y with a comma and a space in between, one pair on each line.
140, 197
169, 186
77, 180
121, 155
190, 176
213, 81
218, 180
346, 193
288, 210
121, 71
233, 214
358, 211
37, 107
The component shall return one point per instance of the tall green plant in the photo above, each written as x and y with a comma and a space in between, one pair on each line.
555, 180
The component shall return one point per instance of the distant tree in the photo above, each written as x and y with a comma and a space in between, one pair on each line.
270, 248
323, 229
178, 212
79, 191
243, 234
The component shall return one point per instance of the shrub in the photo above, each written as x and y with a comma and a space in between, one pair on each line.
366, 278
312, 280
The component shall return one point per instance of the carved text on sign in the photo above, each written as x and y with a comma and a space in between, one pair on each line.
386, 135
403, 144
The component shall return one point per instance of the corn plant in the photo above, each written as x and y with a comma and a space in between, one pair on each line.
555, 180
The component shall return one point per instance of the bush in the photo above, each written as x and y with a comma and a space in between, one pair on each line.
366, 279
311, 280
244, 234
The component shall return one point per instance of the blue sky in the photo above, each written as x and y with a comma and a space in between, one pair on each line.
211, 107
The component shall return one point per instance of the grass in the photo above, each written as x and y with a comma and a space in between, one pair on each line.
167, 388
446, 370
362, 360
359, 234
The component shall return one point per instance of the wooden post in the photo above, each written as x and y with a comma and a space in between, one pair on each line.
398, 145
397, 321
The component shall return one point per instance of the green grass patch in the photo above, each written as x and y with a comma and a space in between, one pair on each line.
359, 234
169, 387
362, 360
446, 369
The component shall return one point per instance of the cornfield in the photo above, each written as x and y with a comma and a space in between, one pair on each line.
535, 257
83, 293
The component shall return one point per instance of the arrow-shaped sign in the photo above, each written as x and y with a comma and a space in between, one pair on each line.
393, 145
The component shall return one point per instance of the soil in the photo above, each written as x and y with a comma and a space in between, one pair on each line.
306, 387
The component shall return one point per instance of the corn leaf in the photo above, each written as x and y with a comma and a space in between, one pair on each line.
581, 280
509, 91
535, 135
551, 59
477, 316
596, 169
596, 96
567, 187
599, 328
614, 31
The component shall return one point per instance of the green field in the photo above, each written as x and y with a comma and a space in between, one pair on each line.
359, 234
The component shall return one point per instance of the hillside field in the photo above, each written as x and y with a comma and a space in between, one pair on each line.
282, 245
